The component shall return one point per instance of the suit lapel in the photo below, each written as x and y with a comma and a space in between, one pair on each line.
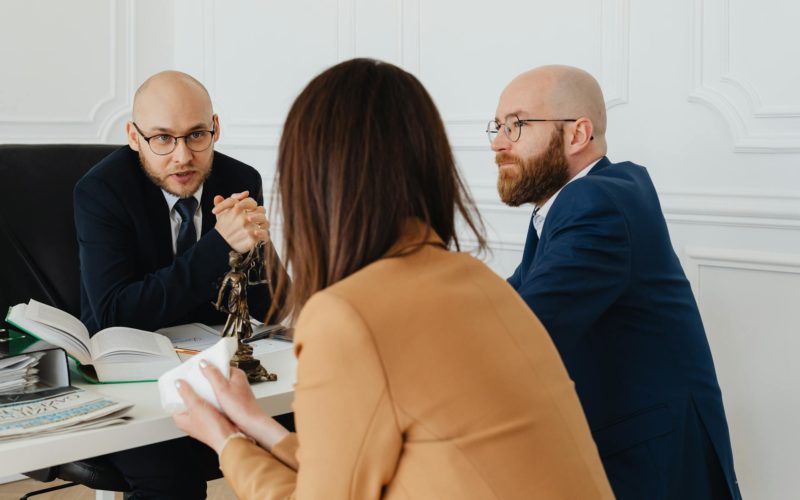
531, 244
210, 189
599, 167
158, 218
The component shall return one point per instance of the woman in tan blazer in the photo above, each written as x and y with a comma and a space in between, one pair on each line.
421, 374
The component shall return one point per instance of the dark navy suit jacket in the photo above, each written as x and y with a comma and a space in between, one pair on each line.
129, 274
606, 283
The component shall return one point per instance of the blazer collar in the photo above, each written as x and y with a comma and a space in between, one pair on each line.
601, 164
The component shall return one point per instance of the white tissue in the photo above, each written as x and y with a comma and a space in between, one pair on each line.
219, 355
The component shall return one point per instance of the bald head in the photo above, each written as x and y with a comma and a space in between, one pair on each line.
169, 91
174, 129
560, 92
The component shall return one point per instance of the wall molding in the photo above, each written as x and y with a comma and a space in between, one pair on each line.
753, 209
744, 259
769, 209
265, 134
614, 27
410, 37
756, 128
251, 134
506, 227
346, 29
240, 134
208, 44
262, 134
111, 107
698, 258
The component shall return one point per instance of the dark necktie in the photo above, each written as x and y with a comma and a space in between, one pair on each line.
187, 235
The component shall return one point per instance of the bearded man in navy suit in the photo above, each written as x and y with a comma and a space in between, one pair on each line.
599, 271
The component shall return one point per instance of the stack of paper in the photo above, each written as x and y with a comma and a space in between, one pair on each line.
56, 409
19, 373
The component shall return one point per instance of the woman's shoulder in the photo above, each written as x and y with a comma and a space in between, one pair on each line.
392, 274
390, 287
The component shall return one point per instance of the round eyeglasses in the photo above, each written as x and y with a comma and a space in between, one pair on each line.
512, 127
164, 144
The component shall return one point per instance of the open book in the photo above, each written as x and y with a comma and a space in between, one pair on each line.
117, 354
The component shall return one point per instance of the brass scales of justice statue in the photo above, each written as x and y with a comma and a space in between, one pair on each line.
232, 299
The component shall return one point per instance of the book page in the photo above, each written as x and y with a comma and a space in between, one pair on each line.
195, 336
266, 346
57, 318
129, 340
73, 346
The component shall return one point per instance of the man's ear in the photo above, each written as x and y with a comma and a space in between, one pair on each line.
133, 136
582, 135
217, 130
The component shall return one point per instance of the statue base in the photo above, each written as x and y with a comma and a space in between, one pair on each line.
252, 367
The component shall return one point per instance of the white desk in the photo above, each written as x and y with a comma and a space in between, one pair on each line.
149, 423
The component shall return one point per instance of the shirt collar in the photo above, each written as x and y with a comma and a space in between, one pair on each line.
172, 199
540, 213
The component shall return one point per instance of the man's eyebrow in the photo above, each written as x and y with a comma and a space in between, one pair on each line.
513, 113
200, 126
166, 130
162, 129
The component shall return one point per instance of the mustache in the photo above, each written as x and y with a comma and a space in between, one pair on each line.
181, 170
501, 158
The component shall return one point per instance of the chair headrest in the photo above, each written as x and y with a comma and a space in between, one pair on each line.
39, 254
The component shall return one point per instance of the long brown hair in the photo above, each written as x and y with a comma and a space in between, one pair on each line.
363, 150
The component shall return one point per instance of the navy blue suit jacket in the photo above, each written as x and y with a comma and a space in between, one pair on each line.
129, 274
606, 283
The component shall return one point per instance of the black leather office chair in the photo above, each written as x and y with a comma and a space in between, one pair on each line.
39, 256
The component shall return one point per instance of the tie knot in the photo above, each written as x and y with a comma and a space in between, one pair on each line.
186, 208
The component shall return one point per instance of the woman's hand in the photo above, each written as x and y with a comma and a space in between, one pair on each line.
201, 420
237, 401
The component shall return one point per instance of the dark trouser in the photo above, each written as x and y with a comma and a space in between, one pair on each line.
176, 469
173, 470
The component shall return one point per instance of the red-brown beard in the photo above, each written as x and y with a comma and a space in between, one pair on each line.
540, 177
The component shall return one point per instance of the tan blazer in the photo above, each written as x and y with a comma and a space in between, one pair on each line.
424, 377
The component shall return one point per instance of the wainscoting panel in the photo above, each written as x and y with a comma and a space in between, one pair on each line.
749, 306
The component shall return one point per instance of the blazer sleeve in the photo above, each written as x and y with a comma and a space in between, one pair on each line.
254, 472
349, 442
583, 266
118, 296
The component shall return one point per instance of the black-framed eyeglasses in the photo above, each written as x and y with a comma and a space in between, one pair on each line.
513, 126
164, 144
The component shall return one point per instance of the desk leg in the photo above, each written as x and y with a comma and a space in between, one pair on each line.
104, 495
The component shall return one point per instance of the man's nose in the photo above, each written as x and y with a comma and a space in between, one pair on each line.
500, 142
182, 153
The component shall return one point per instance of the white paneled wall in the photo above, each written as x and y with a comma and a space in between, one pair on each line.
702, 92
69, 69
